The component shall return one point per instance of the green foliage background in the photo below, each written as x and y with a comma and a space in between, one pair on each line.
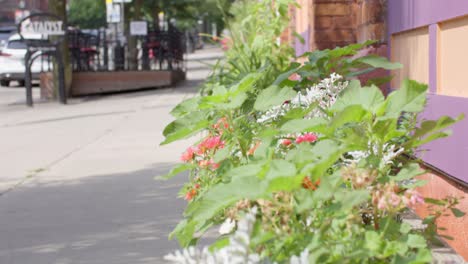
89, 14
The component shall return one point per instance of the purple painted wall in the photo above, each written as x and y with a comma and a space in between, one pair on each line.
302, 48
409, 14
448, 154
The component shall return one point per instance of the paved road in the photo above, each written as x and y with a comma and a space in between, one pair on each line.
76, 181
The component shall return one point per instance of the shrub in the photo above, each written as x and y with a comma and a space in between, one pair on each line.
312, 169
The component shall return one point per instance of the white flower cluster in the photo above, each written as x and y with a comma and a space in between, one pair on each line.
237, 252
301, 259
324, 93
389, 152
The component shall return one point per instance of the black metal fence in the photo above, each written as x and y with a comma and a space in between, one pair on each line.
95, 50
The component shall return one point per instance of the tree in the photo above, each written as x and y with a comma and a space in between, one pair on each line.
58, 7
88, 14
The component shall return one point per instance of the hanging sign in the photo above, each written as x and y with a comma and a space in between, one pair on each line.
138, 28
42, 24
36, 29
113, 13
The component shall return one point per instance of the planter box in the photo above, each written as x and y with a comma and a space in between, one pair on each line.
439, 187
86, 83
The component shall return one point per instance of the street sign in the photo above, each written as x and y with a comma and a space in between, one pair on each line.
121, 1
138, 28
42, 27
113, 13
35, 30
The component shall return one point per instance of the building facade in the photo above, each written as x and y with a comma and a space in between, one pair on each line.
12, 10
430, 38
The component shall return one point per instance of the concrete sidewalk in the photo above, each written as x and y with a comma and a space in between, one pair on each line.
76, 181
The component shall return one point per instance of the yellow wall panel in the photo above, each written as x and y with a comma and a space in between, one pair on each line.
453, 50
411, 48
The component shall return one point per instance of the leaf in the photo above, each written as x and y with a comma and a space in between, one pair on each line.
432, 128
234, 102
273, 96
284, 184
185, 126
414, 184
367, 97
434, 201
428, 126
408, 172
249, 170
222, 154
219, 244
351, 199
380, 62
246, 83
351, 114
324, 154
224, 195
185, 107
304, 125
373, 241
416, 241
175, 171
411, 97
429, 220
280, 168
184, 232
284, 76
405, 228
299, 37
457, 213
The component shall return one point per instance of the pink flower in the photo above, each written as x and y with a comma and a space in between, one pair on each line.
414, 198
204, 163
286, 142
294, 77
188, 155
382, 204
213, 142
208, 164
190, 194
395, 200
214, 165
222, 123
253, 148
210, 143
308, 137
226, 43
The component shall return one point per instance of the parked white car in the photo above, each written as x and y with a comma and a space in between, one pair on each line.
12, 63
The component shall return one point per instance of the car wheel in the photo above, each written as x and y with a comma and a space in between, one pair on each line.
21, 83
4, 83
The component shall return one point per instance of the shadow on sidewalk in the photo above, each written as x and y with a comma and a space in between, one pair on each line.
121, 218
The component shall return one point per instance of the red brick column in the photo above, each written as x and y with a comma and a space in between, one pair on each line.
371, 15
335, 23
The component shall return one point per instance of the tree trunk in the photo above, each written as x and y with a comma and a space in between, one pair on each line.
133, 40
58, 7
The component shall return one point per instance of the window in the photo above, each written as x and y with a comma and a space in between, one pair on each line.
16, 44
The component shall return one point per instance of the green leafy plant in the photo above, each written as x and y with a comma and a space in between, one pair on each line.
319, 164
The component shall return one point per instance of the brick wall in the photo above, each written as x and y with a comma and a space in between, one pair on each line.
370, 18
342, 22
335, 23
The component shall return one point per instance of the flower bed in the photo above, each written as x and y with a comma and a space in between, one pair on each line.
310, 169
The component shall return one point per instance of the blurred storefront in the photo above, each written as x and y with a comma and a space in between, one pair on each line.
11, 11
